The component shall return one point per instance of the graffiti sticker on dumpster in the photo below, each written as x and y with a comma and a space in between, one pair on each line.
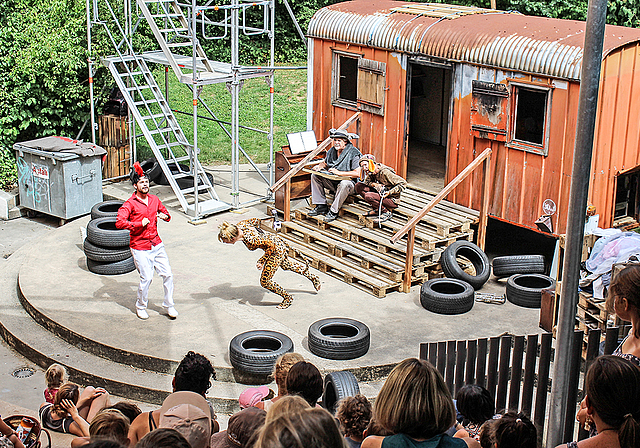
41, 171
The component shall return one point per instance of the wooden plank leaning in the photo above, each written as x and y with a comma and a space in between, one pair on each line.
409, 227
300, 165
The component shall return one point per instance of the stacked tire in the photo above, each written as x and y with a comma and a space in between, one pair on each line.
107, 247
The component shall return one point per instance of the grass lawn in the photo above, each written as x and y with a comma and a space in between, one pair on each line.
215, 146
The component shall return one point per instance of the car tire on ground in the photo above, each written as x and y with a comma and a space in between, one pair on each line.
105, 254
111, 268
518, 264
105, 209
187, 182
161, 179
338, 385
339, 338
526, 289
446, 296
152, 168
472, 253
103, 232
256, 351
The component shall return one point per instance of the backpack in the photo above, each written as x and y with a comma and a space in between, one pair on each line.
32, 437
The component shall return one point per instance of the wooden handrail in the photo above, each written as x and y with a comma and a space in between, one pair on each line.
410, 226
445, 191
296, 168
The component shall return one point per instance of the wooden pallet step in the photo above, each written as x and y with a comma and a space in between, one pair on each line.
335, 267
397, 258
426, 196
444, 208
352, 231
443, 225
394, 271
425, 237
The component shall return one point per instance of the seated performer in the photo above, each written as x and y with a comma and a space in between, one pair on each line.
380, 182
342, 160
275, 255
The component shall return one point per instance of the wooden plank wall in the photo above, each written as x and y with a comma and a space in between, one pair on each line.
516, 369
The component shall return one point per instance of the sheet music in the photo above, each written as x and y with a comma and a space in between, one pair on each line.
300, 142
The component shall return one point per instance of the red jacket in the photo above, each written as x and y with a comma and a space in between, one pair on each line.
130, 217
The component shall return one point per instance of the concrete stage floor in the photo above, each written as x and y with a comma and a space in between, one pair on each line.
218, 295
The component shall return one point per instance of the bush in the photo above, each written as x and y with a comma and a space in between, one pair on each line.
8, 171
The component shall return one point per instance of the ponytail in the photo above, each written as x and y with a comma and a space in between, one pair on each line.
629, 432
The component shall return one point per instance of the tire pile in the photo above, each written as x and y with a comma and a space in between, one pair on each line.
106, 247
456, 293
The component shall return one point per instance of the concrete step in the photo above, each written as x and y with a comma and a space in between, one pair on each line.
44, 348
48, 343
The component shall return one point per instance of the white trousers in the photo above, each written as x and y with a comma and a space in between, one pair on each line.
146, 261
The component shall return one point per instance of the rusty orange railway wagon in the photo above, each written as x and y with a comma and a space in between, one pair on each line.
437, 84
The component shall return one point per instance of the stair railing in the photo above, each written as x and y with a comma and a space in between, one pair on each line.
410, 227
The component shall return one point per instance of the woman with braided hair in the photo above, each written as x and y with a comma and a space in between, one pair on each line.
275, 255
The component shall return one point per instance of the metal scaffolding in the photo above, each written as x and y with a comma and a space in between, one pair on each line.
177, 26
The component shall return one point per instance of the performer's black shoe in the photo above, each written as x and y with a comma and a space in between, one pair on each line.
330, 216
321, 209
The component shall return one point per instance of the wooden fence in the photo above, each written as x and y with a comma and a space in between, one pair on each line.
516, 369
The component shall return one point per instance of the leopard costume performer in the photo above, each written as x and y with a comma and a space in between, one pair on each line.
275, 255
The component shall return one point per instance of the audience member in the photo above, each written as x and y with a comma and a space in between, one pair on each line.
254, 397
9, 435
242, 429
612, 403
55, 376
375, 429
476, 405
189, 414
313, 427
624, 299
71, 411
486, 434
354, 414
163, 438
108, 424
194, 374
289, 405
416, 406
514, 429
129, 409
304, 379
104, 443
280, 372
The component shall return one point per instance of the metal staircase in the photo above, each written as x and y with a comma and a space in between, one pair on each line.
160, 127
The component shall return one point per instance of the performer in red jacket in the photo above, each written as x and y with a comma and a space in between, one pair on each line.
139, 214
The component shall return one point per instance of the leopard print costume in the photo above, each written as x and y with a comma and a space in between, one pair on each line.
275, 255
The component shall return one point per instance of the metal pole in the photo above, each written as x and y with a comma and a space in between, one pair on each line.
93, 109
235, 93
271, 92
194, 78
587, 105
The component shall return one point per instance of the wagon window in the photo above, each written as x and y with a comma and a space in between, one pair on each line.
348, 78
530, 118
358, 83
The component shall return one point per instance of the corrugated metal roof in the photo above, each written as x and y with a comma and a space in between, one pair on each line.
501, 39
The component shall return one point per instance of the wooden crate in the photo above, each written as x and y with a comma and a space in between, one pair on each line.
117, 162
113, 131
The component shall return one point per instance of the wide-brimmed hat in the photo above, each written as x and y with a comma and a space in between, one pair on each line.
242, 427
189, 414
339, 133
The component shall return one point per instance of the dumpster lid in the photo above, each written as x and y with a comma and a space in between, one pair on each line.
62, 144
